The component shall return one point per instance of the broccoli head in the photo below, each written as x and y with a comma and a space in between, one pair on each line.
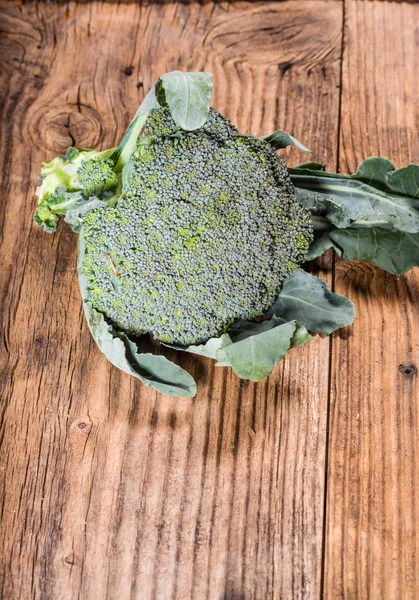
205, 232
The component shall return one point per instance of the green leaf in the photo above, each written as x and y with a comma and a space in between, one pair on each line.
374, 196
306, 299
244, 329
280, 140
154, 371
393, 251
405, 181
321, 205
150, 101
374, 171
210, 348
54, 206
238, 333
301, 335
319, 245
306, 168
254, 357
45, 218
347, 201
381, 173
126, 174
188, 97
372, 215
61, 201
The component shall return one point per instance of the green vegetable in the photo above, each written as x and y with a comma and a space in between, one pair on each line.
154, 371
372, 215
195, 233
68, 181
205, 232
96, 177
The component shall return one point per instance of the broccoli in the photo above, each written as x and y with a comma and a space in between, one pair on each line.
194, 233
69, 180
204, 234
96, 176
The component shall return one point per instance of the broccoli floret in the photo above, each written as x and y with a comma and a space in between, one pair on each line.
96, 176
204, 233
70, 180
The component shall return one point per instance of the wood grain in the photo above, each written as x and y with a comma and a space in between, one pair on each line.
372, 547
112, 490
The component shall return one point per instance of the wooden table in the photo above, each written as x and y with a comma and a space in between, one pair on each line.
302, 486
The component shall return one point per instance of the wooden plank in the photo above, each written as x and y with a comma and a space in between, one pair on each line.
111, 490
373, 489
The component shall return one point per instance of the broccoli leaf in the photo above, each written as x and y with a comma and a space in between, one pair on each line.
150, 101
306, 299
405, 181
280, 140
307, 168
126, 174
154, 371
188, 97
321, 243
186, 94
321, 205
54, 206
61, 201
43, 217
393, 251
374, 171
381, 173
347, 201
374, 196
252, 366
301, 335
372, 215
209, 349
254, 356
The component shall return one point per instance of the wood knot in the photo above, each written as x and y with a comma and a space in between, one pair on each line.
69, 559
408, 371
56, 127
82, 426
41, 342
128, 71
284, 67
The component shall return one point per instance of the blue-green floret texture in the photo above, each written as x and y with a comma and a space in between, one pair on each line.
205, 232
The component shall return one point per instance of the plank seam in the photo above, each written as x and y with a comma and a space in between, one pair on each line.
330, 365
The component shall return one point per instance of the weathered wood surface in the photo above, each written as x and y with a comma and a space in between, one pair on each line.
300, 486
372, 510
